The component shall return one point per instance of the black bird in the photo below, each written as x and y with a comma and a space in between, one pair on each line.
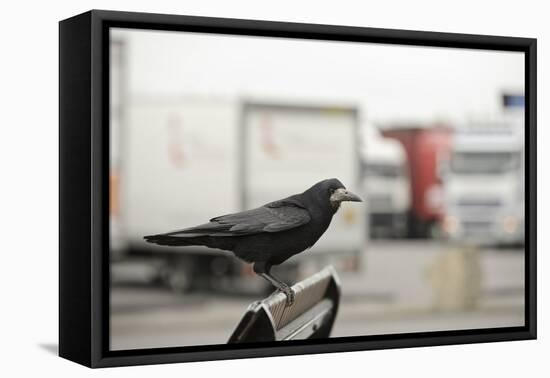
270, 234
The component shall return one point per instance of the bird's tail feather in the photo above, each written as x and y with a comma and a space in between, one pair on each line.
227, 244
163, 239
190, 236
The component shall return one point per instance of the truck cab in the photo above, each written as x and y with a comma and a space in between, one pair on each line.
386, 184
485, 185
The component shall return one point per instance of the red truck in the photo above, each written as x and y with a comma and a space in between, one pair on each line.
427, 148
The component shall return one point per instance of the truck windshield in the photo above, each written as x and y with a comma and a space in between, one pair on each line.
484, 162
383, 170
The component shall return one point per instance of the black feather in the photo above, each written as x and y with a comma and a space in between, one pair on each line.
270, 234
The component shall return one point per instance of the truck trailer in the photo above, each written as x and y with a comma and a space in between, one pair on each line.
184, 160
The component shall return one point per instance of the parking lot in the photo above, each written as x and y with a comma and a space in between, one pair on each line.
396, 291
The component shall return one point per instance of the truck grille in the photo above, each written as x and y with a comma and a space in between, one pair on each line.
380, 203
486, 203
478, 212
477, 228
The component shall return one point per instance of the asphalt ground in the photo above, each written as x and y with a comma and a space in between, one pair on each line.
402, 286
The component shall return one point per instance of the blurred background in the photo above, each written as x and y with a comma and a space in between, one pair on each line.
432, 138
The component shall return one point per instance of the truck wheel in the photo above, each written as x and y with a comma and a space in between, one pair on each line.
179, 276
179, 282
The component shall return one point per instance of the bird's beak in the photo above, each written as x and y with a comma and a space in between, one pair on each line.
342, 194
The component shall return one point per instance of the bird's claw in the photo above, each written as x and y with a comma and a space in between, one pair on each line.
290, 295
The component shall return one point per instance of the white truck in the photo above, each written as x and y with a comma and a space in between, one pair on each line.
386, 184
184, 160
485, 184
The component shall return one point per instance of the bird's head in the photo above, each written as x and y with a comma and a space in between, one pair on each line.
334, 192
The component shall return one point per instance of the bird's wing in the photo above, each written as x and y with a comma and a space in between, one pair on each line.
274, 217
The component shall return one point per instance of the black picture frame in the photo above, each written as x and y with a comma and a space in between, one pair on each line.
83, 180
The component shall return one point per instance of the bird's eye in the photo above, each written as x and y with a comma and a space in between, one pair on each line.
331, 190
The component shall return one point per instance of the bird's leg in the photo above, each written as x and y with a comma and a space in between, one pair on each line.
281, 286
263, 269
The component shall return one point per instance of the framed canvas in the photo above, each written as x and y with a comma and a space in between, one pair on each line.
236, 188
